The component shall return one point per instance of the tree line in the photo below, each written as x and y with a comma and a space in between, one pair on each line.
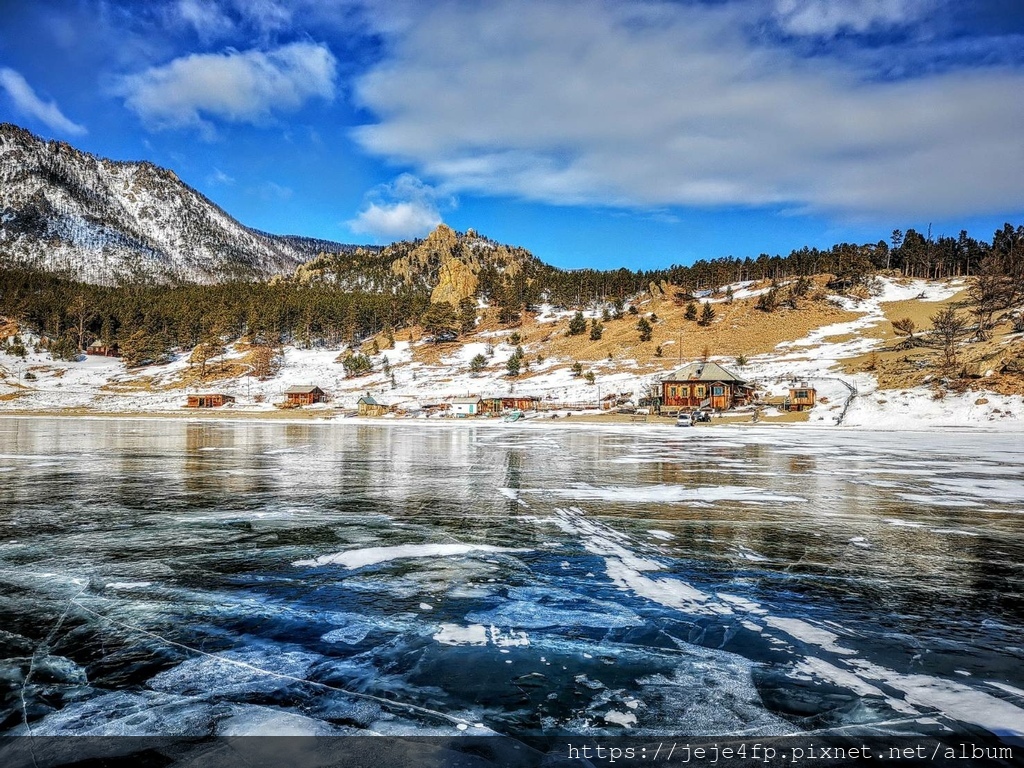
152, 319
71, 314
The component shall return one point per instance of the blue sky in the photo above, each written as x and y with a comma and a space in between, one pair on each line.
602, 134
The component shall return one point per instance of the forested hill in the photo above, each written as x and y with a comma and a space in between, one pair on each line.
109, 222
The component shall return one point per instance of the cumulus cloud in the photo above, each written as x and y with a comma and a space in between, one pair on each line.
404, 209
237, 86
827, 17
656, 104
29, 104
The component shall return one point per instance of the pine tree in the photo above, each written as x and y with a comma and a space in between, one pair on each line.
645, 329
707, 314
467, 315
439, 319
691, 311
768, 302
577, 325
357, 365
478, 363
513, 364
596, 329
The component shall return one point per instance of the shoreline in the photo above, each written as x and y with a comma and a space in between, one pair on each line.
618, 422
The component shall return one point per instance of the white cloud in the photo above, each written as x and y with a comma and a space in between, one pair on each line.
266, 15
219, 177
828, 17
207, 18
657, 104
404, 209
273, 192
29, 104
235, 86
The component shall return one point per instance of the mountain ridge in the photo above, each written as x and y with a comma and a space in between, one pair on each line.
109, 221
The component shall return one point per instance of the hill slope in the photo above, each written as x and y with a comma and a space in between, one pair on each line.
105, 221
449, 265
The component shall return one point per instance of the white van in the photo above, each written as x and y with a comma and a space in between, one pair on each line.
684, 420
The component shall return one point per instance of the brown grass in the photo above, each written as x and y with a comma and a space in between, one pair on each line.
898, 368
8, 328
738, 329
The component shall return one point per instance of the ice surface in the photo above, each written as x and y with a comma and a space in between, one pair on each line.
359, 558
659, 534
669, 494
454, 634
251, 720
581, 612
954, 699
625, 719
235, 673
124, 713
605, 612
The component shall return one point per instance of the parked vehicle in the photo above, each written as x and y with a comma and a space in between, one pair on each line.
684, 420
702, 416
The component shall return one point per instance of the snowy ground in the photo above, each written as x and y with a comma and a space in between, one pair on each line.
103, 384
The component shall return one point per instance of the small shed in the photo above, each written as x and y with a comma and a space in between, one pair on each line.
367, 406
304, 394
211, 400
801, 397
466, 406
102, 349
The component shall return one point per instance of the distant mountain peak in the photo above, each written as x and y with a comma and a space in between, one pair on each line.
107, 221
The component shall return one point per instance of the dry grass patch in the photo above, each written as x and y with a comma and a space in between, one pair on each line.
8, 328
995, 365
738, 329
140, 384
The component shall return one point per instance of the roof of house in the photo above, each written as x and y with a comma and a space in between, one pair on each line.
465, 400
302, 389
368, 400
702, 371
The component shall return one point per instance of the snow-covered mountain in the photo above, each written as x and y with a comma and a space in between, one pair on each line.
106, 221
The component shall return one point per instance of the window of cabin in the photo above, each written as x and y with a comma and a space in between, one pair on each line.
684, 391
718, 389
802, 394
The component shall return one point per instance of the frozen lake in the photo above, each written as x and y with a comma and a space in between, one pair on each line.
218, 578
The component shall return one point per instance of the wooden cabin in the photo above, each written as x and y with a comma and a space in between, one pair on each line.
703, 385
801, 397
212, 400
461, 407
101, 349
502, 403
304, 394
367, 406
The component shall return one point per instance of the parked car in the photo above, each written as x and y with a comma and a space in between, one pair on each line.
684, 420
702, 416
